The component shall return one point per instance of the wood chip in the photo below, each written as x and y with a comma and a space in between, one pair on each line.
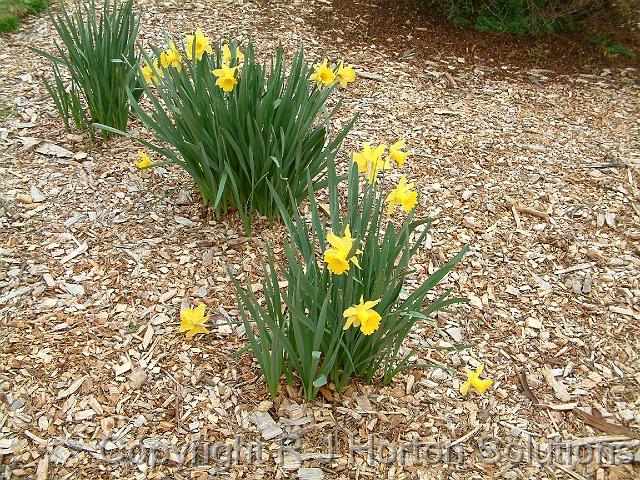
148, 337
558, 387
73, 388
120, 369
310, 474
267, 426
78, 251
42, 471
54, 150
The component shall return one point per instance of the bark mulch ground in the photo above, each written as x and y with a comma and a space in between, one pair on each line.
539, 176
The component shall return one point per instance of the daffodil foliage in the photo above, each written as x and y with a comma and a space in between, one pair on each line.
95, 50
345, 311
239, 127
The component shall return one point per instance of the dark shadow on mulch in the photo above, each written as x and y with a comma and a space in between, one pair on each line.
414, 29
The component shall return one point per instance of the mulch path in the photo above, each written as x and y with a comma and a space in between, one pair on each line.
539, 176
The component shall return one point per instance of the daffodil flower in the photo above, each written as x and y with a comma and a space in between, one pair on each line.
396, 153
362, 315
192, 320
198, 44
152, 74
227, 57
171, 57
369, 160
323, 75
336, 256
226, 77
403, 196
473, 380
145, 162
345, 74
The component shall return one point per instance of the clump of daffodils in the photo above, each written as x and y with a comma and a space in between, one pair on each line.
342, 315
342, 252
218, 98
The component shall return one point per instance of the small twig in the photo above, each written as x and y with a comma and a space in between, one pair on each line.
612, 164
465, 437
533, 212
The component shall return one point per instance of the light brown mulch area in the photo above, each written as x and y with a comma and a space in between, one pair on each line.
540, 178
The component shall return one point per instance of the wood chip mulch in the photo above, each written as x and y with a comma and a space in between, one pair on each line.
97, 258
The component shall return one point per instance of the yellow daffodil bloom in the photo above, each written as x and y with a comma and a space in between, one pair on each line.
226, 77
145, 162
370, 161
473, 380
192, 320
198, 42
345, 74
226, 55
403, 196
368, 156
396, 153
362, 315
171, 57
323, 74
336, 256
152, 74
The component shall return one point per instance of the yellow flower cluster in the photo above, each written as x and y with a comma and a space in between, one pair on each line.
342, 252
339, 258
326, 76
197, 45
370, 161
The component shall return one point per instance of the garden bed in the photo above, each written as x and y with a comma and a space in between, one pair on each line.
538, 177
